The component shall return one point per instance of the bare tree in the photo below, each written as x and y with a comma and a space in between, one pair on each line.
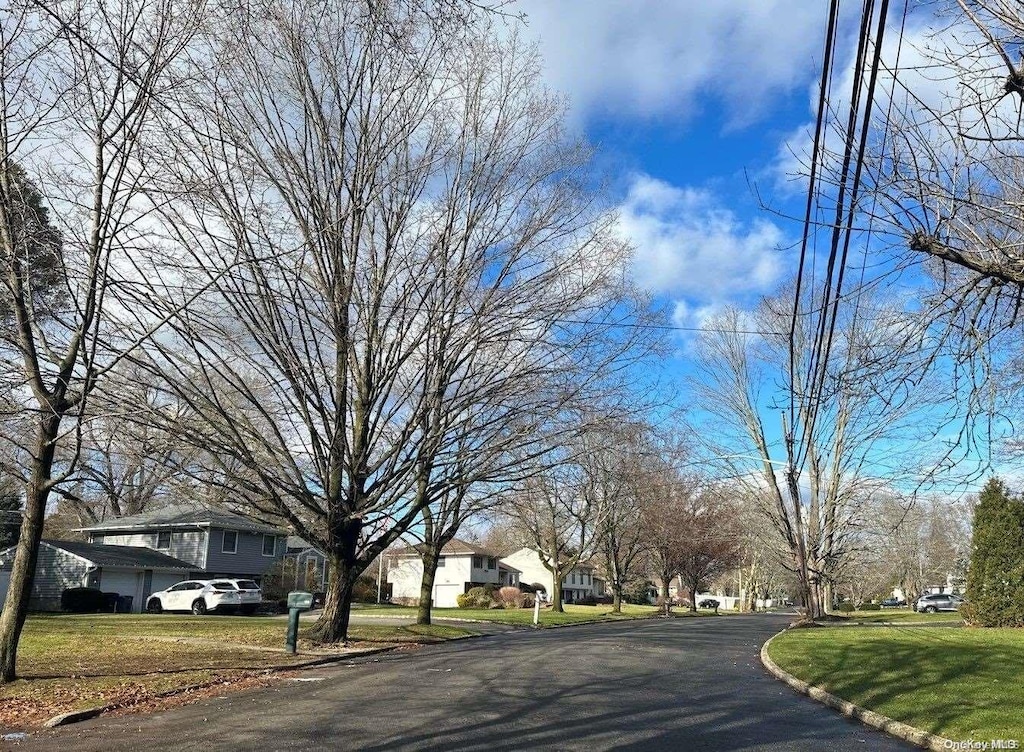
558, 511
78, 86
870, 398
710, 544
394, 232
622, 472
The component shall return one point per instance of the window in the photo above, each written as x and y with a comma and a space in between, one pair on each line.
478, 562
440, 562
269, 545
230, 543
224, 586
182, 586
492, 563
96, 538
163, 541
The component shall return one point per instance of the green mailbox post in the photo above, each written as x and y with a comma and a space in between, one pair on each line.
298, 602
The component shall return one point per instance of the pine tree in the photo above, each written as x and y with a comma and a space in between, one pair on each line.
995, 581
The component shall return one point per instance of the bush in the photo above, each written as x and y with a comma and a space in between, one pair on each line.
588, 601
82, 600
870, 607
511, 597
478, 597
636, 592
846, 607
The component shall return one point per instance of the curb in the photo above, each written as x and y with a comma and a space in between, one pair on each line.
870, 718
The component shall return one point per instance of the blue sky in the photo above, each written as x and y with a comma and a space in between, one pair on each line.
690, 103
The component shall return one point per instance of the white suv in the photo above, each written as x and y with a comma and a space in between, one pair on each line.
203, 596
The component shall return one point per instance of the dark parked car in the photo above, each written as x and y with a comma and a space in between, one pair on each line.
708, 603
938, 602
893, 603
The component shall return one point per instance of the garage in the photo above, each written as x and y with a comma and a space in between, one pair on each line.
123, 582
445, 595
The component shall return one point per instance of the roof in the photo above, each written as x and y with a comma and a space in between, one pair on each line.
102, 555
454, 547
185, 516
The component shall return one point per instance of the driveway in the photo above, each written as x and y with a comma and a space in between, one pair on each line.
678, 684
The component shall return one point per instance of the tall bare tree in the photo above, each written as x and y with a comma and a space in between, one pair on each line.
79, 83
395, 232
860, 429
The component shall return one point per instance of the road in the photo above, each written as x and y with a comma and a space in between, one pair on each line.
676, 684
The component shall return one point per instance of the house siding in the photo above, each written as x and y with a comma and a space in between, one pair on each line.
56, 570
248, 559
187, 545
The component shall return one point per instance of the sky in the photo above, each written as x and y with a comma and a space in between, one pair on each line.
697, 109
691, 105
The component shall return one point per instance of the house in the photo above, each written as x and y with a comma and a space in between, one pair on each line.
460, 566
126, 570
215, 542
578, 583
310, 564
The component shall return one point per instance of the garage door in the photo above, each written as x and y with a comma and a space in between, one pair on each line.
445, 595
123, 582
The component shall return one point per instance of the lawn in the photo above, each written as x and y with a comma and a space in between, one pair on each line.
959, 683
898, 615
574, 614
69, 662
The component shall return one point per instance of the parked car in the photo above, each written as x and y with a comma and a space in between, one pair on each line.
204, 596
934, 602
708, 603
893, 603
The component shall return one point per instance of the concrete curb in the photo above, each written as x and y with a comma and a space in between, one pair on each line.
878, 721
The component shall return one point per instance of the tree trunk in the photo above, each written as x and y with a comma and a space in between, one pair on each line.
19, 588
693, 597
617, 600
332, 626
430, 556
556, 592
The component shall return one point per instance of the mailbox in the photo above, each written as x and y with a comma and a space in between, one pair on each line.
298, 602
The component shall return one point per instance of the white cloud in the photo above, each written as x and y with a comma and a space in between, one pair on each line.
649, 58
689, 246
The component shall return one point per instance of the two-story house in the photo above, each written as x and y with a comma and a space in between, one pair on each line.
578, 583
215, 542
460, 566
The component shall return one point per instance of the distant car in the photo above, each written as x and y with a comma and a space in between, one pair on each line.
893, 603
934, 602
708, 603
203, 596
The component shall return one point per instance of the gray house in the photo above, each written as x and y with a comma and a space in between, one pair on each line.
216, 543
125, 570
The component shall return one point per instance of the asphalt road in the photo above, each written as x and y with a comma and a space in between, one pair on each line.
679, 684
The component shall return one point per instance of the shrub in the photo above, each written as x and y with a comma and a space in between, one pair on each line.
588, 601
846, 607
870, 607
510, 597
529, 600
82, 600
477, 597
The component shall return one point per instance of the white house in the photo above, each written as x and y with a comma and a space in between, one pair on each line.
460, 567
578, 583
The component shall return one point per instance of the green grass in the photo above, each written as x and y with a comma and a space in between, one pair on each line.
956, 682
66, 662
522, 616
904, 614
